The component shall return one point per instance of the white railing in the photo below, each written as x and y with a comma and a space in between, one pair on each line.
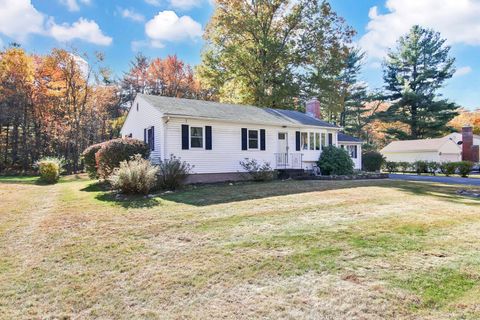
288, 160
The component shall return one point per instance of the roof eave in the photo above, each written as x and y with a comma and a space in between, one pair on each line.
285, 125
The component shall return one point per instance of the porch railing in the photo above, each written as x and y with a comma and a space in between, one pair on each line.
288, 160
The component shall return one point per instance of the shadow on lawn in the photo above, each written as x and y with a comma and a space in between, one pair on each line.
226, 193
125, 201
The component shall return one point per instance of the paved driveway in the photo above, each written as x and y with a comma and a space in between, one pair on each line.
450, 180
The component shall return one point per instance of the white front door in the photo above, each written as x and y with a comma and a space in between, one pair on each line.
282, 157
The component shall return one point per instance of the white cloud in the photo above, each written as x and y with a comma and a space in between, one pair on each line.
456, 20
155, 3
18, 19
73, 5
167, 26
185, 4
132, 15
83, 29
462, 71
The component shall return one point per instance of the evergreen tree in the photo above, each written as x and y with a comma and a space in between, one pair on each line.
413, 73
354, 114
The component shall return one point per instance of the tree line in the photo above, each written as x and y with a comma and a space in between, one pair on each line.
274, 54
60, 103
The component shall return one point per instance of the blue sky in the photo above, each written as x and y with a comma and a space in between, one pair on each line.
162, 27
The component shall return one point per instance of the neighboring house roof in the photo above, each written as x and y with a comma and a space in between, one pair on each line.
342, 137
423, 145
231, 112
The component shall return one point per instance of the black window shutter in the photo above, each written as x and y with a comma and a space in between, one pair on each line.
185, 136
297, 140
330, 139
355, 152
262, 139
152, 146
145, 135
244, 139
208, 137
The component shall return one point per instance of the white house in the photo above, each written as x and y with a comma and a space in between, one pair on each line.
215, 137
453, 147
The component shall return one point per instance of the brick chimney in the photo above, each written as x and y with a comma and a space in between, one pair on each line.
469, 151
312, 108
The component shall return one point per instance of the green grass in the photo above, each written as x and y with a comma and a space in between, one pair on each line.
437, 288
285, 249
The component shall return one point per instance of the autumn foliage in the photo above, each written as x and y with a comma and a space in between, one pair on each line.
51, 105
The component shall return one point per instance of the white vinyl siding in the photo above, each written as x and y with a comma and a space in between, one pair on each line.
227, 150
142, 116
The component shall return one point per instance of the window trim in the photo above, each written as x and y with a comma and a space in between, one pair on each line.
190, 138
258, 139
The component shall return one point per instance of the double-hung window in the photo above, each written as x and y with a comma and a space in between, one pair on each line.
196, 137
352, 151
252, 139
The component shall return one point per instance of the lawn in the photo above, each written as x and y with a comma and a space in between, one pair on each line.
294, 249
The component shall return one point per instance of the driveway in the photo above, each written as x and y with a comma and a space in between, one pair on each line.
449, 180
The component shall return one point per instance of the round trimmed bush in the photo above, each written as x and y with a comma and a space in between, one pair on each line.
335, 161
88, 156
372, 161
112, 152
49, 169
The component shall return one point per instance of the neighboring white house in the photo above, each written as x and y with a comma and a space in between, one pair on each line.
453, 147
215, 137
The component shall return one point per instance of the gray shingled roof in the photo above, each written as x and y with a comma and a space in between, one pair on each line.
231, 112
346, 138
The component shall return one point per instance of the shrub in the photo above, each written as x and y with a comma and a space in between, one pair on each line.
49, 169
372, 161
259, 172
420, 167
433, 167
391, 166
448, 168
88, 156
464, 168
135, 176
335, 161
172, 173
115, 151
404, 166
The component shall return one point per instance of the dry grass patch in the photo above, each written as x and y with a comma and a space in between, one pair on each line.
295, 249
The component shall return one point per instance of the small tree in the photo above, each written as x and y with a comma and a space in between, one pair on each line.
335, 161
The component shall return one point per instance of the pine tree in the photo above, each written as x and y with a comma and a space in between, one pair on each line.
413, 73
354, 114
